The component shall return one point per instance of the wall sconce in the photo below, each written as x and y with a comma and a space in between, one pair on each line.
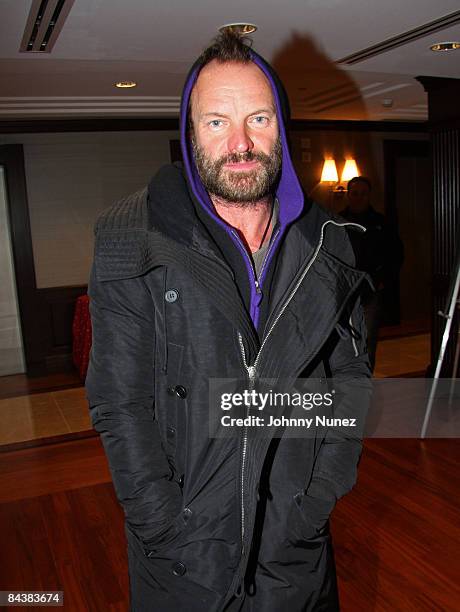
350, 170
330, 175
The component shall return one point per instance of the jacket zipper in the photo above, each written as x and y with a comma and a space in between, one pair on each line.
252, 369
353, 341
251, 374
291, 295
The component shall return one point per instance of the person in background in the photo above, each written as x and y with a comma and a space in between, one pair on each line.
378, 251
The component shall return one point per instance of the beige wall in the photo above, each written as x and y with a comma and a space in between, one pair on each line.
71, 177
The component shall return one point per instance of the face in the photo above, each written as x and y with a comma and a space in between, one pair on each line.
359, 197
235, 135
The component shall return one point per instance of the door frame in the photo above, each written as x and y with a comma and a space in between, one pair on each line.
30, 309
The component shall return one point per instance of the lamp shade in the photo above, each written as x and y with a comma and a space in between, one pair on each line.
329, 173
350, 170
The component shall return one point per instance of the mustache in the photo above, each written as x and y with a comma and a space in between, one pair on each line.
247, 156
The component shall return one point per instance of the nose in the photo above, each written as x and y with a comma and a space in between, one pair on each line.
239, 140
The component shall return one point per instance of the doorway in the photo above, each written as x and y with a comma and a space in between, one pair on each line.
11, 347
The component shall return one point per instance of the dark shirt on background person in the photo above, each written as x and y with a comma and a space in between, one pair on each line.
378, 251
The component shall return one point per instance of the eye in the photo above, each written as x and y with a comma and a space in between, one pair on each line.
215, 124
260, 120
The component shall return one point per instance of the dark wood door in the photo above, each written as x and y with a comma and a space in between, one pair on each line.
409, 207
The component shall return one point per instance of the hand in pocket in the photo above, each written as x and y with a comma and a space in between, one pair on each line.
315, 513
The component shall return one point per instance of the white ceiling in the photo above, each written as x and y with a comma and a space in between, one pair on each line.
154, 43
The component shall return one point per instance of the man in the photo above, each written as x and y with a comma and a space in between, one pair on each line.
223, 270
378, 251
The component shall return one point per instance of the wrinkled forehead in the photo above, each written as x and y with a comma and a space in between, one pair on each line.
220, 82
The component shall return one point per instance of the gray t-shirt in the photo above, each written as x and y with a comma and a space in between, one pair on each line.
258, 257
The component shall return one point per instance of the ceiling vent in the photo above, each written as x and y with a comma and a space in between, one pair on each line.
44, 25
402, 39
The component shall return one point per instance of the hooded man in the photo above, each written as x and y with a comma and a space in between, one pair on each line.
222, 269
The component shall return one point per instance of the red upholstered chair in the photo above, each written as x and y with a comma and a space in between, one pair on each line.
82, 335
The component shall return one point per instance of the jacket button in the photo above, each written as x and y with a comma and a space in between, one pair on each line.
181, 391
178, 569
181, 480
171, 295
171, 390
186, 513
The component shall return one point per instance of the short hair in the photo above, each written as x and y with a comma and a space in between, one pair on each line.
227, 46
359, 179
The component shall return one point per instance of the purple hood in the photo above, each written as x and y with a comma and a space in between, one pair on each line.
289, 192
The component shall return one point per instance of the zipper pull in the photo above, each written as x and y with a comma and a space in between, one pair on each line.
252, 377
259, 294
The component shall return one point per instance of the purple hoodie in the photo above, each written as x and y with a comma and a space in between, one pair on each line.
289, 192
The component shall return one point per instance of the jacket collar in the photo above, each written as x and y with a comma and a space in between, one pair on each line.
162, 226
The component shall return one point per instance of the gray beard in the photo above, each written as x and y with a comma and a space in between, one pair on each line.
239, 188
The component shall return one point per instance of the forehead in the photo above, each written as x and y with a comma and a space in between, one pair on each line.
224, 83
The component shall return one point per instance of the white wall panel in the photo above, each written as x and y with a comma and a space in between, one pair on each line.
71, 178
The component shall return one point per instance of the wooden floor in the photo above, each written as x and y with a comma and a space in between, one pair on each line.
406, 356
397, 535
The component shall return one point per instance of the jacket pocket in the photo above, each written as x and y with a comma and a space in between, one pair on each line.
168, 537
310, 518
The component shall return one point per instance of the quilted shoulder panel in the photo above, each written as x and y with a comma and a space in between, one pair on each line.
129, 213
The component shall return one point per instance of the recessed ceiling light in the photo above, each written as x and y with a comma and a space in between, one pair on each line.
445, 46
238, 28
125, 84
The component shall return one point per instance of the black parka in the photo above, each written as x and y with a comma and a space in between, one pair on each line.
236, 522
